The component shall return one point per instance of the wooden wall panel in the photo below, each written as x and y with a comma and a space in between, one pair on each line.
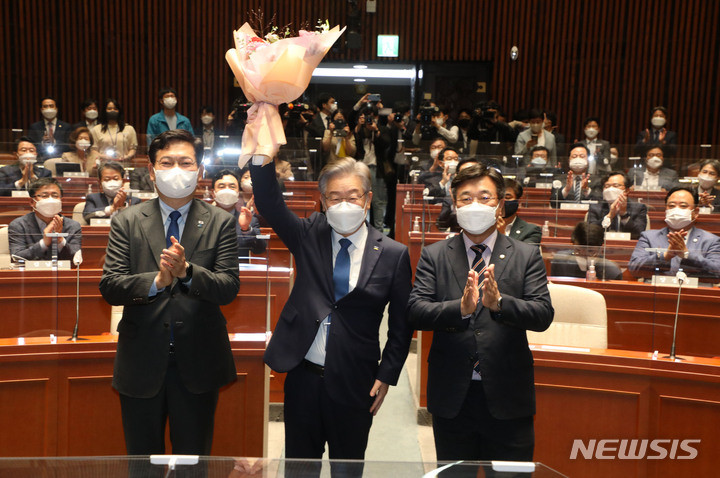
614, 59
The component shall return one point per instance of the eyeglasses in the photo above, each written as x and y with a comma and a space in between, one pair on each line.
47, 195
184, 163
482, 199
354, 199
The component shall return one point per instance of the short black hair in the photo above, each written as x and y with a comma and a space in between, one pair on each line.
578, 145
207, 109
694, 194
586, 234
323, 98
655, 146
659, 108
713, 163
535, 113
57, 105
41, 183
87, 102
465, 160
165, 90
540, 148
442, 152
552, 117
22, 139
226, 172
476, 172
163, 140
591, 118
515, 186
111, 165
607, 176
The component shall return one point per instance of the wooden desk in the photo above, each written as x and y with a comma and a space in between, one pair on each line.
63, 403
304, 188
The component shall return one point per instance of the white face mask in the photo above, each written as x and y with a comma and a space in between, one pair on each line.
578, 165
536, 128
112, 187
476, 218
176, 183
170, 103
452, 166
91, 114
48, 207
657, 121
345, 218
434, 153
333, 108
49, 113
706, 181
654, 162
227, 197
82, 144
540, 162
27, 158
611, 194
613, 157
439, 121
591, 133
678, 218
207, 119
246, 185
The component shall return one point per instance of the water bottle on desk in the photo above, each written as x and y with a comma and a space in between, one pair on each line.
591, 275
546, 229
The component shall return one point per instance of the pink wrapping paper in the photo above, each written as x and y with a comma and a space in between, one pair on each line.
270, 74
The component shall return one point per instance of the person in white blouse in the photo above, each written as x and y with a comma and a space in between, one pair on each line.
114, 139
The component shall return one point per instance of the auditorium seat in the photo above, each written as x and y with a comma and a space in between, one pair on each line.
78, 213
580, 318
4, 248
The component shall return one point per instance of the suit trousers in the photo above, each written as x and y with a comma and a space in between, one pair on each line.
474, 434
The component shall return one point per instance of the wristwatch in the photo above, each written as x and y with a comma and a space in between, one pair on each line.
188, 273
499, 304
686, 254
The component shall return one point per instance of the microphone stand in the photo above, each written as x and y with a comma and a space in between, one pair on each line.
74, 337
681, 278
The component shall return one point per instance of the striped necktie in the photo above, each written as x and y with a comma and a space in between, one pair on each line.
478, 263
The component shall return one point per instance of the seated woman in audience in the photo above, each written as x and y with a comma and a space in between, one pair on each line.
114, 139
653, 175
338, 141
113, 197
616, 212
587, 242
80, 141
708, 193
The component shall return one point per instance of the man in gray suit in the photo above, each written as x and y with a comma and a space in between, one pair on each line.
171, 262
478, 292
536, 135
653, 175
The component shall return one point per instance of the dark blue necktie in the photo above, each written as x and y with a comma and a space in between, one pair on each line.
341, 273
173, 228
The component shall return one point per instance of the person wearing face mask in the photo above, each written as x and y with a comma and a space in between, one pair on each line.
657, 133
168, 118
338, 140
327, 105
19, 175
226, 195
28, 235
653, 175
539, 172
599, 159
706, 187
49, 135
479, 292
616, 212
113, 197
536, 135
440, 124
579, 185
82, 154
113, 138
438, 178
447, 219
587, 240
209, 134
679, 245
171, 262
89, 114
509, 223
327, 337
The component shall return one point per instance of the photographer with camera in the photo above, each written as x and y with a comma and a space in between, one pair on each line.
338, 140
488, 135
431, 123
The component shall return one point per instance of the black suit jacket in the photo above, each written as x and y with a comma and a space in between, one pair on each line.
202, 347
98, 202
316, 128
61, 135
635, 224
525, 232
24, 236
353, 349
499, 339
12, 172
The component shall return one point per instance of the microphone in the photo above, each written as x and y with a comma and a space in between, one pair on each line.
77, 260
681, 278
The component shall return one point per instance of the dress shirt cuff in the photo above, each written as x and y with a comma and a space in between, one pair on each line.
108, 210
154, 290
42, 245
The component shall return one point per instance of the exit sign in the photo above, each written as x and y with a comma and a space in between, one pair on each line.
388, 45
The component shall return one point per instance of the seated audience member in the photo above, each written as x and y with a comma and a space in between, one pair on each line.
653, 175
613, 159
50, 134
536, 135
338, 140
447, 219
113, 197
114, 139
587, 242
509, 223
599, 158
437, 179
657, 134
578, 186
680, 245
616, 212
551, 125
246, 189
19, 175
426, 161
539, 171
89, 114
283, 169
140, 180
226, 191
81, 143
708, 193
27, 235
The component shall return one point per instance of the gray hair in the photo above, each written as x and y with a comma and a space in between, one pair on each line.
342, 167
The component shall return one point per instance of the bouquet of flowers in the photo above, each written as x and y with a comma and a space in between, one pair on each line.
273, 70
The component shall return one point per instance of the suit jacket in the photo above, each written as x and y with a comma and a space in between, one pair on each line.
635, 224
61, 134
525, 136
12, 172
669, 144
602, 153
525, 232
498, 339
557, 196
353, 349
316, 128
668, 177
202, 348
98, 202
24, 236
703, 260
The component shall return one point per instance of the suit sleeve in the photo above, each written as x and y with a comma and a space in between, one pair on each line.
644, 263
708, 262
637, 222
535, 235
21, 243
73, 242
595, 214
7, 180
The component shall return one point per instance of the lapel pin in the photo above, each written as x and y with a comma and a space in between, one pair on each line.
201, 223
517, 232
376, 248
695, 239
502, 256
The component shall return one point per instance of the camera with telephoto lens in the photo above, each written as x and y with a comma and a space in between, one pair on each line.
369, 118
239, 110
427, 112
485, 115
297, 108
339, 128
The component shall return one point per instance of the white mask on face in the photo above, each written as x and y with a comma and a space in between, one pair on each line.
27, 158
207, 119
112, 187
536, 128
591, 133
657, 121
434, 153
227, 197
170, 103
345, 218
49, 113
82, 144
678, 218
176, 183
439, 121
611, 194
333, 108
476, 218
578, 165
91, 114
654, 162
246, 185
48, 207
540, 162
706, 181
452, 166
613, 157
